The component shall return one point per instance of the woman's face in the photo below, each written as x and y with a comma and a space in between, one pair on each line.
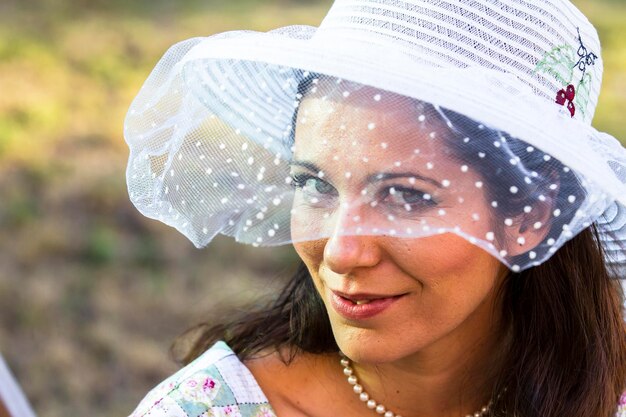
389, 297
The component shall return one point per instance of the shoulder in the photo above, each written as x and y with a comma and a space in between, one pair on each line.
216, 383
299, 385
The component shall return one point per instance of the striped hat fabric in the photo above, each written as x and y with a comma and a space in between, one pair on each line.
500, 93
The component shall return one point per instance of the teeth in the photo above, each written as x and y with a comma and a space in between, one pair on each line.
359, 302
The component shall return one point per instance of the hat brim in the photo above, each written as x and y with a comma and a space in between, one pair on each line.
275, 60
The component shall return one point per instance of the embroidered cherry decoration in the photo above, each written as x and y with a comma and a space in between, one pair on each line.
567, 95
572, 108
570, 92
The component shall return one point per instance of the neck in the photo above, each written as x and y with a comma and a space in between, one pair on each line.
447, 379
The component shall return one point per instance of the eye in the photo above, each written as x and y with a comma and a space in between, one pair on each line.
312, 185
408, 198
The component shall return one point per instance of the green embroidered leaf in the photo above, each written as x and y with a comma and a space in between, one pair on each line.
559, 63
583, 93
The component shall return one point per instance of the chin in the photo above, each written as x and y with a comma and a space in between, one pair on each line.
370, 346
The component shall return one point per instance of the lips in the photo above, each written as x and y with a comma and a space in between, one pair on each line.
360, 306
365, 297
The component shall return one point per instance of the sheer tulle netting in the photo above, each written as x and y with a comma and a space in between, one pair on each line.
286, 136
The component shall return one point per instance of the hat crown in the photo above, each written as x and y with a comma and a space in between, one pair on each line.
549, 45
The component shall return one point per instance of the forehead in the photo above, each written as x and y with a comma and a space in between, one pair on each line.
356, 124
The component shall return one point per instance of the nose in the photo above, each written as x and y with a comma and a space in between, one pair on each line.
345, 252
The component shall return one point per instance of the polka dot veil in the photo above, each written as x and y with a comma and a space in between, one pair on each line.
292, 155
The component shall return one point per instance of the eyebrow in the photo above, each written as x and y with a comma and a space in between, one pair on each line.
305, 164
382, 176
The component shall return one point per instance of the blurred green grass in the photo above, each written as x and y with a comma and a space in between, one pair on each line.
91, 293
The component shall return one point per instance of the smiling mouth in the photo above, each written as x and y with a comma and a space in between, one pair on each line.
361, 306
369, 301
359, 299
359, 302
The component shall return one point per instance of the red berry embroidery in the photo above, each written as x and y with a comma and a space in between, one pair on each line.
561, 63
567, 95
570, 92
571, 108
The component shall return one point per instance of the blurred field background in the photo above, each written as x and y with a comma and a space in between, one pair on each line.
91, 293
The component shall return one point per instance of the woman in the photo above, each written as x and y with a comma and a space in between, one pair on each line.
458, 219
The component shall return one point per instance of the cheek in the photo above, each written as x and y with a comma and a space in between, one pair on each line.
311, 253
442, 255
452, 271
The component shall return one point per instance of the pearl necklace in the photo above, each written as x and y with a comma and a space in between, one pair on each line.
375, 406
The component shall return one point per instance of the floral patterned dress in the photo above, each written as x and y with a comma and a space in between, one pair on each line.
218, 384
621, 408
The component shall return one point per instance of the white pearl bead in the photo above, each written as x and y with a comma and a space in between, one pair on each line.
345, 362
352, 380
389, 414
364, 396
484, 410
347, 371
357, 389
371, 404
380, 409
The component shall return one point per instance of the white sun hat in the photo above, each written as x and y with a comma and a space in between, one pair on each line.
403, 118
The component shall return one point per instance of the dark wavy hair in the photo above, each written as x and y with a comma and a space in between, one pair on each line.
567, 355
